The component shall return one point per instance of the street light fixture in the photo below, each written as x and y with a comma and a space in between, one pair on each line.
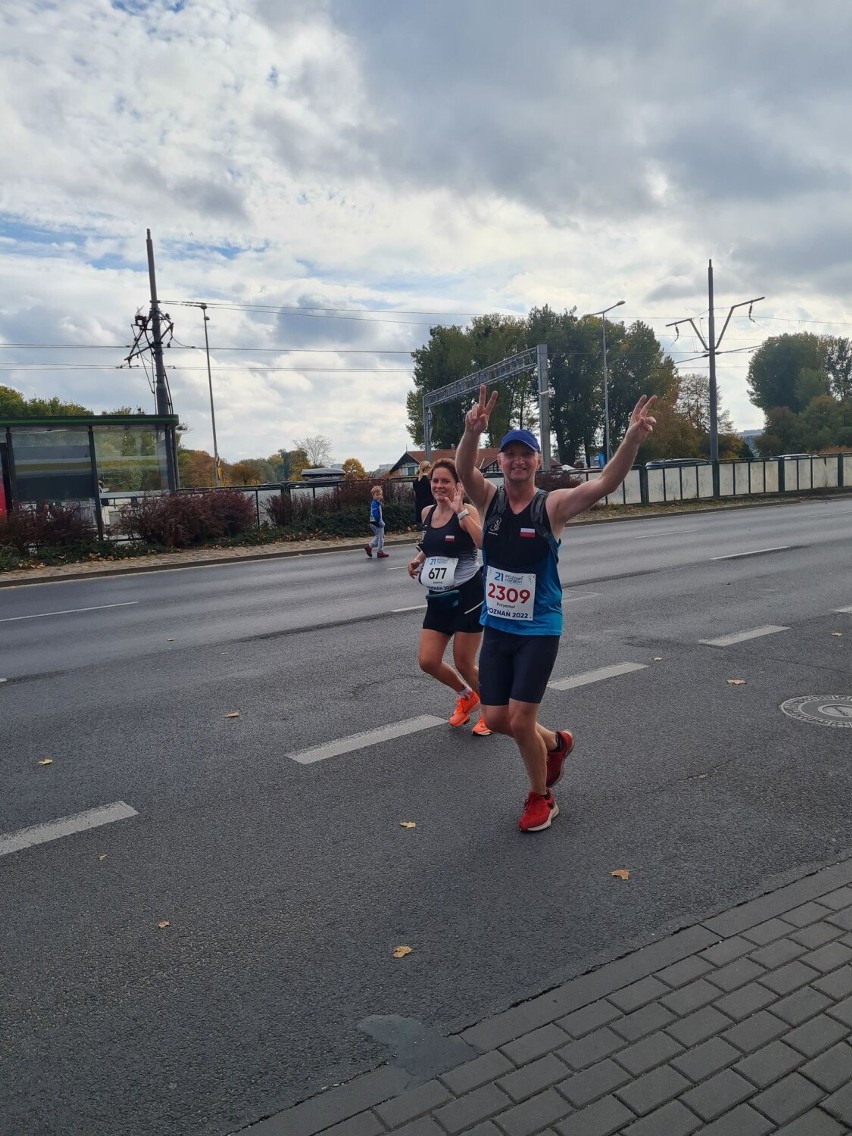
602, 313
210, 384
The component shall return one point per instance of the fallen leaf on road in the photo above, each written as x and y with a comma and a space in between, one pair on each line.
233, 714
163, 924
657, 659
621, 873
102, 856
170, 640
736, 682
407, 824
837, 634
46, 761
401, 952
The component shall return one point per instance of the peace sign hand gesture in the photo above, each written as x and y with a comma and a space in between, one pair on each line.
476, 419
641, 422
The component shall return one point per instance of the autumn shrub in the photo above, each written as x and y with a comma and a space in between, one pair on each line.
10, 558
183, 520
47, 526
233, 511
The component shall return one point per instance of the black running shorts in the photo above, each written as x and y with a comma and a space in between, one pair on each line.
457, 611
515, 666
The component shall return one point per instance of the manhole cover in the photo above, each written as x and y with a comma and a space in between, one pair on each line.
820, 709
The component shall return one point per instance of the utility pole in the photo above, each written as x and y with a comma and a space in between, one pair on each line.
161, 389
711, 350
210, 385
149, 337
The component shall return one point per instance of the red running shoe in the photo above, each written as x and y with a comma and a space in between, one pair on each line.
556, 757
368, 550
538, 812
382, 555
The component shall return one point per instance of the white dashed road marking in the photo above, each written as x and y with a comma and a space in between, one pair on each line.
64, 826
417, 607
367, 738
596, 676
68, 611
754, 552
741, 636
845, 610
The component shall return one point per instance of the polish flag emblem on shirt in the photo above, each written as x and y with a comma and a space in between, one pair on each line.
528, 532
449, 536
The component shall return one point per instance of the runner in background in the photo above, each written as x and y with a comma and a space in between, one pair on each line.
522, 608
447, 565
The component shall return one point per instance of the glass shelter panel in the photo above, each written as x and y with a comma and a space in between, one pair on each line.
53, 463
131, 458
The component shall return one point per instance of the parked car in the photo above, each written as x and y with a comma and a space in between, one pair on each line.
675, 463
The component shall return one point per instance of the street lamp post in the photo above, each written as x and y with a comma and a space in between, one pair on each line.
210, 384
617, 304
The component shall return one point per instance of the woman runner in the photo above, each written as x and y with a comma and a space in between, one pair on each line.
447, 565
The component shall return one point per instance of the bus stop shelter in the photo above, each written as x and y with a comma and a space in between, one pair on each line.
62, 459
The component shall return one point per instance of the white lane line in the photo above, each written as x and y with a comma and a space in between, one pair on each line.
596, 676
741, 636
839, 609
575, 599
417, 607
754, 552
67, 611
367, 738
397, 568
665, 532
64, 826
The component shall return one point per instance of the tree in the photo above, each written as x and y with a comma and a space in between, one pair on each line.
453, 353
637, 365
775, 372
316, 447
353, 470
195, 468
14, 405
250, 471
572, 349
838, 362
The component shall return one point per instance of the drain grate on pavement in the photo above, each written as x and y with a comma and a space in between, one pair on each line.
820, 709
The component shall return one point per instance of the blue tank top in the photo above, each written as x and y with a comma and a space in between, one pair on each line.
523, 543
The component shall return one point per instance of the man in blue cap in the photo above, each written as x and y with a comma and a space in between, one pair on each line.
522, 609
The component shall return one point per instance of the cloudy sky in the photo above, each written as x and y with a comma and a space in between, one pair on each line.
333, 177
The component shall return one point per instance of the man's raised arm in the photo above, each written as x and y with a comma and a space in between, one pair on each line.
477, 488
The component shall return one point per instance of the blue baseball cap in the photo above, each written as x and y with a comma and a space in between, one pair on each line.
522, 436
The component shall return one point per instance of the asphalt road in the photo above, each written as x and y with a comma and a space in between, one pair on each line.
286, 885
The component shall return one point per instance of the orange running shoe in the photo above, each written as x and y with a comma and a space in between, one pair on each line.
464, 704
538, 812
480, 729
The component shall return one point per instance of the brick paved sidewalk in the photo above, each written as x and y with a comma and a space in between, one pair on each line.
737, 1026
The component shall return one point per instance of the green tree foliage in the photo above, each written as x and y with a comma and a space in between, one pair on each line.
453, 353
636, 361
14, 405
637, 365
784, 369
838, 362
572, 349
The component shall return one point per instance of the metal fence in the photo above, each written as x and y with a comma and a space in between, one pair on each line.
642, 486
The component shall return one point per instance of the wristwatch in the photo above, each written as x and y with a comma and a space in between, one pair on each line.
463, 513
